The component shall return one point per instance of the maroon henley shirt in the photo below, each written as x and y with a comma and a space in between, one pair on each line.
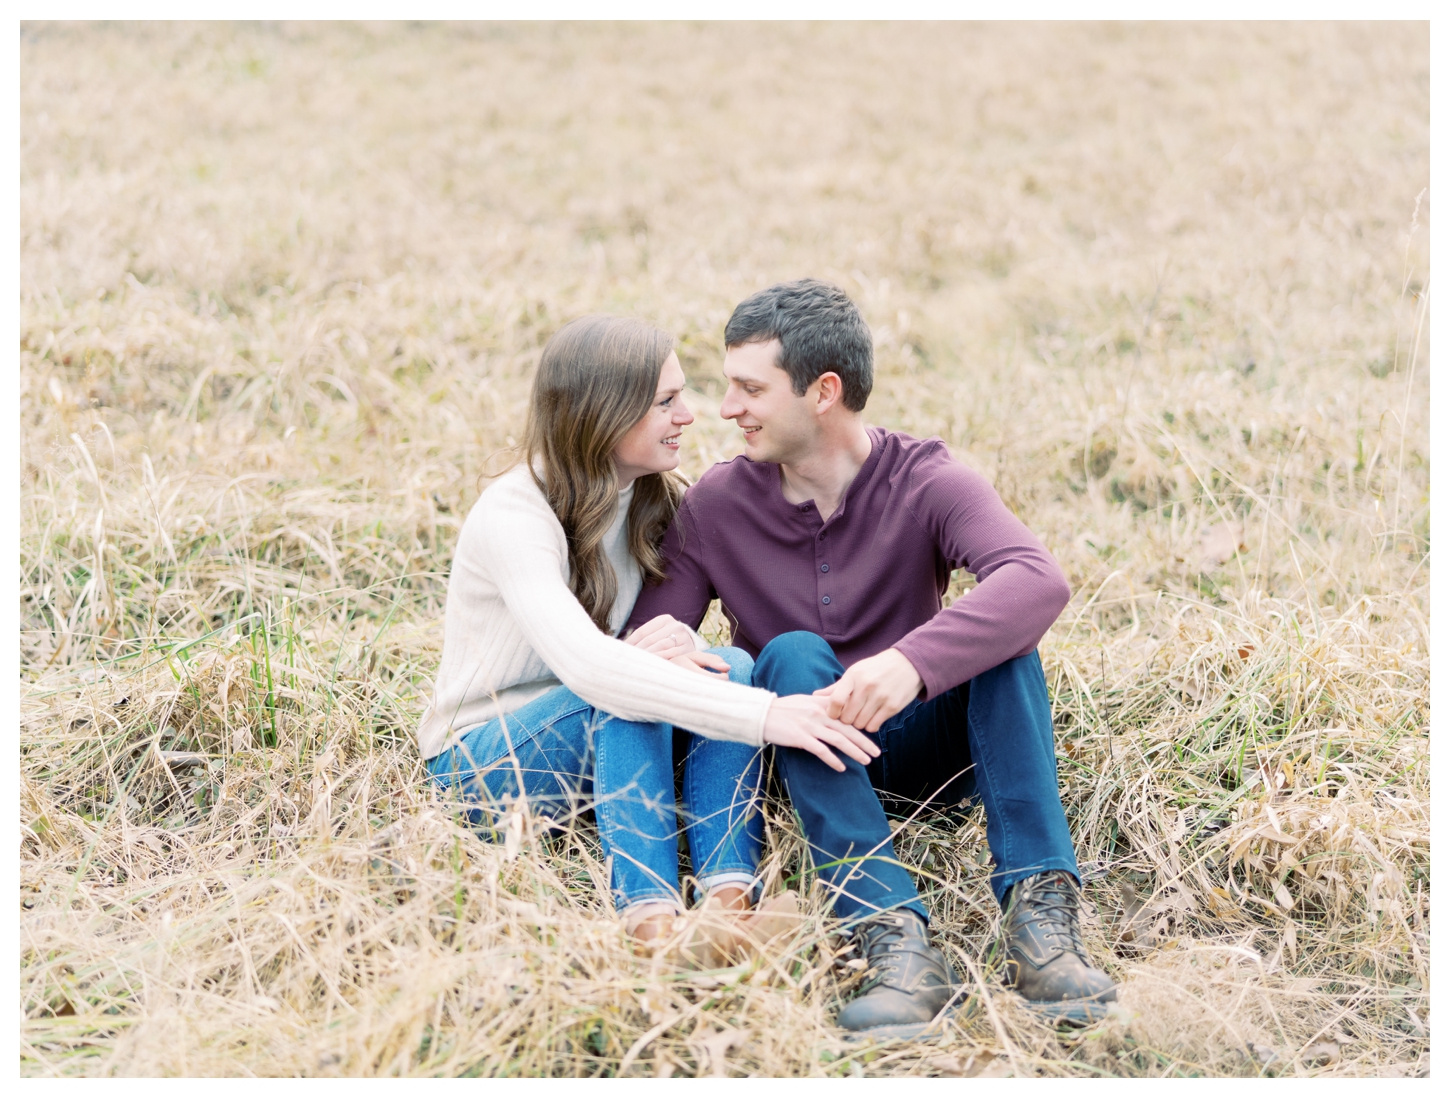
872, 575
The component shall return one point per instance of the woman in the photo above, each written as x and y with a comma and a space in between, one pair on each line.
535, 693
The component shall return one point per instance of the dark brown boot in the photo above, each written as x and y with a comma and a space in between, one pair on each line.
908, 982
1046, 961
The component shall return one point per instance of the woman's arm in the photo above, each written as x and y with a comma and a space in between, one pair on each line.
518, 545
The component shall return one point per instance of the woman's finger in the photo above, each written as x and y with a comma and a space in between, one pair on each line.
846, 746
860, 739
670, 644
822, 752
660, 631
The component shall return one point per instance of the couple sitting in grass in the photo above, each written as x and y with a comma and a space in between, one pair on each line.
572, 673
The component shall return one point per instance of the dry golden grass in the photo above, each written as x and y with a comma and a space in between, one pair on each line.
281, 290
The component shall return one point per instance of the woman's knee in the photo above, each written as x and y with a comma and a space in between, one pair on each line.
740, 661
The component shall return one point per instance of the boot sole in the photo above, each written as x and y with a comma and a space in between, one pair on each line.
1081, 1012
909, 1030
905, 1031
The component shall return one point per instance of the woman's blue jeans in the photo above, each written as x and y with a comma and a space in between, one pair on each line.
568, 756
989, 739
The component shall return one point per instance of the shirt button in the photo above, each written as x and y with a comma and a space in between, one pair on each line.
825, 568
826, 598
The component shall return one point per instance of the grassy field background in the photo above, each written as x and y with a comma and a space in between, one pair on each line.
281, 291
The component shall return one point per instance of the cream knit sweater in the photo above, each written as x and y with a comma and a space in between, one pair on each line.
513, 630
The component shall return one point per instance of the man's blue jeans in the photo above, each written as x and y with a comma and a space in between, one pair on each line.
569, 756
988, 739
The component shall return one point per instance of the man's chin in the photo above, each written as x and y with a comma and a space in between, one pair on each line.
756, 453
754, 450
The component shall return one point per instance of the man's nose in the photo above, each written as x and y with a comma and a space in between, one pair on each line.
730, 407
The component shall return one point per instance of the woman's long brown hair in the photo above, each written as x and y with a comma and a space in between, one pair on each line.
597, 378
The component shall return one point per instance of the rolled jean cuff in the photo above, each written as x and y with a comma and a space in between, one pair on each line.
748, 881
648, 901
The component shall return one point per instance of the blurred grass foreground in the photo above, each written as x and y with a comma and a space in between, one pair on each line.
281, 290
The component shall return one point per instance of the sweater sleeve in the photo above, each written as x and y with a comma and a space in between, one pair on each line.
605, 672
1020, 588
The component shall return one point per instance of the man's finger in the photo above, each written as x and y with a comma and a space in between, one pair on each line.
864, 712
850, 712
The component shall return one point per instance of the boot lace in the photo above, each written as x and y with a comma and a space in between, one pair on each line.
874, 939
1051, 901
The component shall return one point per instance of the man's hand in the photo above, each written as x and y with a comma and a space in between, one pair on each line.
800, 720
663, 636
873, 691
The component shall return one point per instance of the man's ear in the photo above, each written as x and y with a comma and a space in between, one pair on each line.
829, 388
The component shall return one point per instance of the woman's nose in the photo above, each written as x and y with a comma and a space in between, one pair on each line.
683, 416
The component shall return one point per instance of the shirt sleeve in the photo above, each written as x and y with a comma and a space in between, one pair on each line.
1020, 589
605, 672
686, 590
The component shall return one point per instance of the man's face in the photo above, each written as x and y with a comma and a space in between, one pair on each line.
778, 425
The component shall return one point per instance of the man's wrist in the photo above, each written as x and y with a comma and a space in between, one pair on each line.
920, 682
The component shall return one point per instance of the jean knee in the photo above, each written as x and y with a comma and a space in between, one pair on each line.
786, 654
797, 643
740, 661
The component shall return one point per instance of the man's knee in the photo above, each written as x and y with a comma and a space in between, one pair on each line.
795, 663
807, 779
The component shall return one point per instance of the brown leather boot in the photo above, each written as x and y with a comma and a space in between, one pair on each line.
908, 982
1047, 963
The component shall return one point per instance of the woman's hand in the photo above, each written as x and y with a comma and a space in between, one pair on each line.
704, 663
800, 720
664, 636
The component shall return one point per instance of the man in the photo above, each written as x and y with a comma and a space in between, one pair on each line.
829, 545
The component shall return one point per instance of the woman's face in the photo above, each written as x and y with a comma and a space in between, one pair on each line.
653, 444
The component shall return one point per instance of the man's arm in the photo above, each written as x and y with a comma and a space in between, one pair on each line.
686, 591
1020, 589
1019, 594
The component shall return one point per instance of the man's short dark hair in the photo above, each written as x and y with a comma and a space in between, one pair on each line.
819, 328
